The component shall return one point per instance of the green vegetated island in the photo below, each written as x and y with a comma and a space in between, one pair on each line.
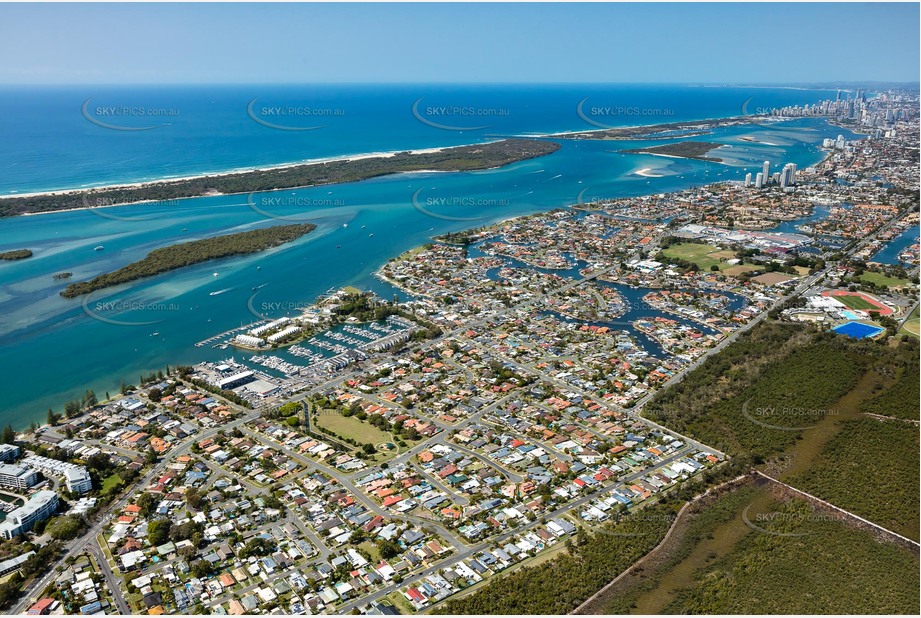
15, 254
193, 252
666, 130
854, 404
454, 159
685, 150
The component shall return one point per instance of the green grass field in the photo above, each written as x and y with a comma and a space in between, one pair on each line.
855, 302
109, 482
399, 601
371, 548
882, 280
702, 255
351, 427
706, 256
912, 326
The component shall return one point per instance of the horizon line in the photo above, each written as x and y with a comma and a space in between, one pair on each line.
803, 84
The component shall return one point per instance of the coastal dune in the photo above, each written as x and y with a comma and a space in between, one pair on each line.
474, 157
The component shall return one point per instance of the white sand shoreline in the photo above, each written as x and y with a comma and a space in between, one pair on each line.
750, 118
167, 181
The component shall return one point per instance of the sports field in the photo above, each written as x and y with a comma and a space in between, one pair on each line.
706, 256
856, 302
859, 301
882, 280
858, 330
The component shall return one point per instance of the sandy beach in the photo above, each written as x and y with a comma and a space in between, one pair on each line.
147, 183
752, 140
687, 123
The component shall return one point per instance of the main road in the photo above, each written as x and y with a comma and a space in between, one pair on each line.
88, 538
80, 544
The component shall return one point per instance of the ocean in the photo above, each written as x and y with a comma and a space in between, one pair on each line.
58, 138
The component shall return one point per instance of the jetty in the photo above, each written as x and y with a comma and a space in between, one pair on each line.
227, 333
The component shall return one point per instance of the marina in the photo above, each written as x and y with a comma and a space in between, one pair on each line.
300, 320
218, 339
325, 352
278, 364
383, 205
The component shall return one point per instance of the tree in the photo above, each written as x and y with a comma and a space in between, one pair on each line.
271, 501
158, 531
256, 546
127, 475
71, 409
89, 398
154, 394
146, 502
187, 551
9, 434
194, 498
151, 455
53, 418
99, 462
65, 527
388, 549
9, 591
201, 568
185, 531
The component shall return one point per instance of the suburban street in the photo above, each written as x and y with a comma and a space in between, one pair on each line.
87, 542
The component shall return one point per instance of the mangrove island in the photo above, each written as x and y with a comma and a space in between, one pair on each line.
684, 150
16, 254
193, 252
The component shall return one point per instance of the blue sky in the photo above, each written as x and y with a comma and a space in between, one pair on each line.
246, 43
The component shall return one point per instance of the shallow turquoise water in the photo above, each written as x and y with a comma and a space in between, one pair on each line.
54, 348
